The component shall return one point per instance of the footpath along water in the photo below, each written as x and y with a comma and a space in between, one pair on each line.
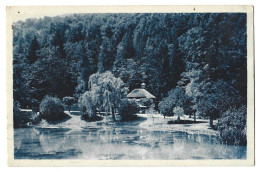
77, 139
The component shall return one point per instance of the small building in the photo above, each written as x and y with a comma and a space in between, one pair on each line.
143, 98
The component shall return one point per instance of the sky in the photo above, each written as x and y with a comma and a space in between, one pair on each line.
24, 17
20, 14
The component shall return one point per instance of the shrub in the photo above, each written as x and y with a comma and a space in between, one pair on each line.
87, 107
127, 109
52, 109
232, 126
86, 117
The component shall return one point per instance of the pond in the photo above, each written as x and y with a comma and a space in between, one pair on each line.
104, 140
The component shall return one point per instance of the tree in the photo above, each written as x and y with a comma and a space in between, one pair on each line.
87, 106
211, 98
58, 39
106, 56
68, 101
176, 98
232, 126
210, 64
52, 109
49, 75
189, 108
34, 47
153, 48
127, 109
107, 91
176, 65
178, 111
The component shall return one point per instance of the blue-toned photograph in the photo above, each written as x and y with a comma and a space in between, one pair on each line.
130, 86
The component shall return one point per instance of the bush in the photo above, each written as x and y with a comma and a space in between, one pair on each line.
87, 107
52, 109
88, 118
127, 109
232, 126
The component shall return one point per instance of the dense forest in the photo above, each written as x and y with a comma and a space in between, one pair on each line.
194, 60
57, 55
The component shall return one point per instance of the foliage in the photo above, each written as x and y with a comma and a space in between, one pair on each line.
35, 105
107, 91
189, 107
146, 102
57, 55
127, 109
212, 79
176, 97
210, 98
179, 112
23, 118
68, 101
32, 54
87, 105
17, 114
52, 109
16, 108
204, 54
232, 126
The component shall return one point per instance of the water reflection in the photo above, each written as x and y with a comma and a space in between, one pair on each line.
120, 141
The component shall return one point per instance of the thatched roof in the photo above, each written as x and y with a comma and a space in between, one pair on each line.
140, 93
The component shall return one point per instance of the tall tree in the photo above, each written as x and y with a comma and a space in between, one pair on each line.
34, 47
107, 91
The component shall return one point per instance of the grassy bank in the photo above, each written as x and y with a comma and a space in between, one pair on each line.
158, 122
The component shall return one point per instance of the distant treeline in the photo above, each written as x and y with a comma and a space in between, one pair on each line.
56, 55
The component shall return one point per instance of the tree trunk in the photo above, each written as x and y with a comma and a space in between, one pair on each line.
113, 114
211, 121
194, 117
178, 119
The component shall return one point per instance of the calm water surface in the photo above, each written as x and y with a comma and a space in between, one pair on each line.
76, 139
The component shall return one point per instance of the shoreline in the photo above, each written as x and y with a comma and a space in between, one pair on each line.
159, 123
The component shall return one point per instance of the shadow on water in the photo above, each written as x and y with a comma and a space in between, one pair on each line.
76, 139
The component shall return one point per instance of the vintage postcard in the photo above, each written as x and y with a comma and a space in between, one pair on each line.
130, 86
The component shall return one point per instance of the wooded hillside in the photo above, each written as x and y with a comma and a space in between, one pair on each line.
205, 54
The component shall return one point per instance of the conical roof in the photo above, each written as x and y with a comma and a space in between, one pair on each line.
140, 93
